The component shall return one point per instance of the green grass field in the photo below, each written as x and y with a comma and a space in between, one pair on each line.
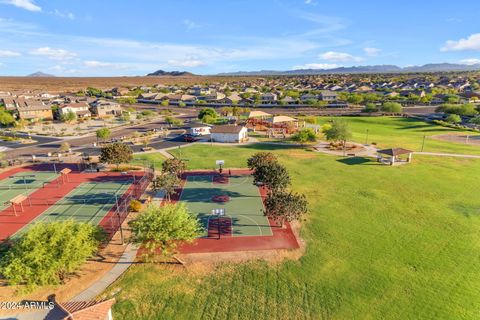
382, 243
23, 183
245, 207
408, 133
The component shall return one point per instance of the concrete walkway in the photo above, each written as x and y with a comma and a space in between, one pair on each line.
125, 261
440, 154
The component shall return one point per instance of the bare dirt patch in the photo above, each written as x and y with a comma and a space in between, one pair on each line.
473, 139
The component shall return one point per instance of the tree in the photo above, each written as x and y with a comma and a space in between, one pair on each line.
261, 159
475, 120
370, 107
146, 140
6, 119
160, 228
305, 135
453, 118
339, 131
466, 109
116, 153
174, 166
354, 98
64, 147
207, 112
285, 206
392, 107
273, 175
70, 116
48, 252
103, 133
166, 182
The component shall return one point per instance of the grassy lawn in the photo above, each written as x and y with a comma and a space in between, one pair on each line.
154, 158
404, 132
382, 243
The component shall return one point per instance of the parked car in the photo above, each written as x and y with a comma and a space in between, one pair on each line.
189, 138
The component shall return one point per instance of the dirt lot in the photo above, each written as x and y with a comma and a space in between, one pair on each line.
459, 138
73, 84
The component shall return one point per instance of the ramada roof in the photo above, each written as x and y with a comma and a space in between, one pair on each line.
395, 151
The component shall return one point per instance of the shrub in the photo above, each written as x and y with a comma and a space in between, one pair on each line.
48, 252
135, 206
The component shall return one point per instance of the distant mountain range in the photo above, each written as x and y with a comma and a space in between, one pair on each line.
432, 67
39, 74
170, 73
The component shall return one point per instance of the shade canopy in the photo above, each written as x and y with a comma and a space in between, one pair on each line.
393, 152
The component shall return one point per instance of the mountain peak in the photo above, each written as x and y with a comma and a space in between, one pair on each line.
39, 74
170, 73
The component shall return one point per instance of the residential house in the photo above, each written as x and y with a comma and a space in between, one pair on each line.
81, 109
33, 110
229, 134
103, 108
328, 96
268, 98
233, 98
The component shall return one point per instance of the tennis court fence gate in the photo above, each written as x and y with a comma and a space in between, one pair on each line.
121, 209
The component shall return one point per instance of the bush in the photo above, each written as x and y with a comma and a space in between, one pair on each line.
48, 252
453, 118
392, 107
135, 206
305, 135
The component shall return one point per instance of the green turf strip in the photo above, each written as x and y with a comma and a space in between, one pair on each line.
16, 184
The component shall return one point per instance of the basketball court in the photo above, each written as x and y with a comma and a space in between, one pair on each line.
226, 205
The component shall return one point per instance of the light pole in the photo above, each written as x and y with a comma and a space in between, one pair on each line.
423, 143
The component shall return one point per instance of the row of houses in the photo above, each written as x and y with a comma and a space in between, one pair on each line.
234, 98
35, 110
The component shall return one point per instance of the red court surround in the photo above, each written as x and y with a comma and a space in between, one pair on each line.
282, 238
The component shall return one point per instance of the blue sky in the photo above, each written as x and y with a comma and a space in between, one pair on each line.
109, 38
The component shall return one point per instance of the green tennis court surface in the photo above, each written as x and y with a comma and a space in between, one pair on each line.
25, 183
245, 207
89, 202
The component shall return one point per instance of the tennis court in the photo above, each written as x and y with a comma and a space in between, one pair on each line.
89, 202
24, 183
232, 206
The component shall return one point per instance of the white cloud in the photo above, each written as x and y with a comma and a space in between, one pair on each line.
189, 63
470, 43
8, 54
189, 24
311, 2
55, 54
470, 61
339, 57
24, 4
317, 66
64, 14
96, 64
371, 52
